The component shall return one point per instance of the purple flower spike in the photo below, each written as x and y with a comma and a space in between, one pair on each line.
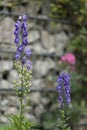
23, 54
63, 88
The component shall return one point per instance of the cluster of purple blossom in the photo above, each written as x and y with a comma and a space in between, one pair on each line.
63, 88
23, 53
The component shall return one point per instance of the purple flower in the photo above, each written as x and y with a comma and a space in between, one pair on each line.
28, 52
17, 40
16, 32
25, 18
23, 54
20, 48
28, 65
25, 42
63, 88
17, 24
23, 60
25, 33
17, 56
24, 26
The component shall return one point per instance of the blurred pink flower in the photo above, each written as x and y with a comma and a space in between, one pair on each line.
63, 58
69, 58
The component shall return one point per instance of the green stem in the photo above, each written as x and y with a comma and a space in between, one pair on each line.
21, 101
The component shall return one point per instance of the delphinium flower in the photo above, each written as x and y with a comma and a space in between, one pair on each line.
64, 99
23, 53
23, 66
63, 89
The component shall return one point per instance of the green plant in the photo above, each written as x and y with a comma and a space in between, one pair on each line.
78, 45
71, 10
23, 66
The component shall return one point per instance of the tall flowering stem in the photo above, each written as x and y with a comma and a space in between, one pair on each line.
22, 62
64, 99
63, 89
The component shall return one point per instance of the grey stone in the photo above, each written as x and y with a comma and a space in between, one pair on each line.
33, 7
6, 65
11, 110
35, 97
30, 117
20, 9
4, 103
13, 101
31, 25
0, 76
61, 40
28, 109
12, 76
24, 1
39, 109
42, 67
54, 42
51, 63
3, 119
5, 84
54, 27
6, 30
45, 100
38, 48
33, 36
59, 49
37, 83
47, 40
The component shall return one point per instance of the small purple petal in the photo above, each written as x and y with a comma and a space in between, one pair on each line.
17, 40
29, 65
25, 18
23, 60
17, 56
25, 33
24, 25
17, 24
20, 48
16, 32
28, 52
25, 42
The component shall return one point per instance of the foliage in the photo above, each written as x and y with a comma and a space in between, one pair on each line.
3, 127
79, 46
15, 125
62, 121
73, 10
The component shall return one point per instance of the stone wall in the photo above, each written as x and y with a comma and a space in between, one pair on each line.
46, 41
